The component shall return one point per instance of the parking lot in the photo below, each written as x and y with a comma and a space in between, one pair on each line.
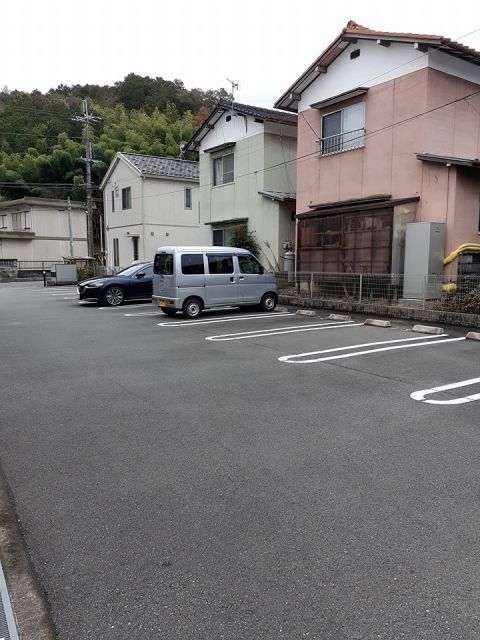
243, 475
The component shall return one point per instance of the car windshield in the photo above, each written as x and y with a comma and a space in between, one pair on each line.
130, 271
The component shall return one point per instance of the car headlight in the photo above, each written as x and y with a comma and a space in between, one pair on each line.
94, 285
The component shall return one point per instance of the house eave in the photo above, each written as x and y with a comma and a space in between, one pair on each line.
449, 160
220, 147
341, 97
227, 221
355, 206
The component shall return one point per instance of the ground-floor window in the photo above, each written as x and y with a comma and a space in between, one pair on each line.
223, 236
135, 247
218, 237
116, 253
346, 243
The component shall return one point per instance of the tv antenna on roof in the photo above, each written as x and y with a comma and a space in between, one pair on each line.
234, 88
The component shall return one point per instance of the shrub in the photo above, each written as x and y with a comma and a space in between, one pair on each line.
83, 273
461, 303
244, 239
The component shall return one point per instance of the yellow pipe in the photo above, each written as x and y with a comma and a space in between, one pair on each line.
467, 246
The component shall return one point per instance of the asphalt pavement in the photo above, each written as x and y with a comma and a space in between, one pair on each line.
233, 478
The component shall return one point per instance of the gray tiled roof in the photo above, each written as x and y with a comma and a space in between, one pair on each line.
283, 196
268, 115
155, 166
261, 112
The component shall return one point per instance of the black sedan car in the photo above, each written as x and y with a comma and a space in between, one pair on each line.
133, 283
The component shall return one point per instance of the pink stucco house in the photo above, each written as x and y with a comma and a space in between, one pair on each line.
388, 133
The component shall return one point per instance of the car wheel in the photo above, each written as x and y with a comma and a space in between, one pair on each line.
114, 296
268, 302
169, 312
192, 308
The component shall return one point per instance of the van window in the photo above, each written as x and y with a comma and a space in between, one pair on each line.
192, 264
163, 264
220, 264
248, 264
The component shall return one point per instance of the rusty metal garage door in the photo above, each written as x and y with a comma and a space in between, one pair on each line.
346, 243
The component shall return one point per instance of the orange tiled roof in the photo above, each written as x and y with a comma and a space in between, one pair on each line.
355, 30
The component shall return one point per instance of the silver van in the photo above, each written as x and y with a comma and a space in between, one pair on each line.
191, 279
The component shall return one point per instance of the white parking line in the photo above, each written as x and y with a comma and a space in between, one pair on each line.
265, 333
63, 293
420, 395
435, 339
187, 323
120, 308
139, 314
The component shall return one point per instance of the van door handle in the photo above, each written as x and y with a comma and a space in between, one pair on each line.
232, 278
241, 278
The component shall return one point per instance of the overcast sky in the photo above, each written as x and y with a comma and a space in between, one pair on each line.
263, 45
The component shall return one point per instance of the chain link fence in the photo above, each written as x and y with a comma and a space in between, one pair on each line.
436, 292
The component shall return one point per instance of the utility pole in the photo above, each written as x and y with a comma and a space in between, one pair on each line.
86, 119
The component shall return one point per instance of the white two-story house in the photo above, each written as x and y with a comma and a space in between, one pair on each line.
42, 230
149, 202
248, 176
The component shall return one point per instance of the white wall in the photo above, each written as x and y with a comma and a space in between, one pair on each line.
240, 198
238, 128
167, 221
51, 241
158, 215
376, 65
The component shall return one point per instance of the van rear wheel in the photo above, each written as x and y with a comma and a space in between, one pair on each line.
268, 302
192, 308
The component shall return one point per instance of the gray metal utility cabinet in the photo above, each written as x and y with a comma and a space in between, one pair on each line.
63, 273
423, 270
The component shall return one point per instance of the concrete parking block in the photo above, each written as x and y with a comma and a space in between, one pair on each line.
281, 309
337, 316
377, 323
421, 328
305, 312
473, 335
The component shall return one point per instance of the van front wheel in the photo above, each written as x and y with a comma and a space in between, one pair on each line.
192, 308
268, 302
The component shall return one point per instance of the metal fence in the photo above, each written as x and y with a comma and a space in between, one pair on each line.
459, 293
35, 265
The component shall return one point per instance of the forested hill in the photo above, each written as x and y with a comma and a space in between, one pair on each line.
41, 146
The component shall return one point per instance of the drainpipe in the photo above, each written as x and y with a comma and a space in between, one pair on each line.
296, 248
449, 166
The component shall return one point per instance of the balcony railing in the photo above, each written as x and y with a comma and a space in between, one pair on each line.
342, 142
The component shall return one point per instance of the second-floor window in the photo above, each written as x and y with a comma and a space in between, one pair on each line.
343, 129
127, 198
223, 169
21, 220
113, 200
3, 221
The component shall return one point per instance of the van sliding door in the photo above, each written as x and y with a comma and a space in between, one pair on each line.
221, 282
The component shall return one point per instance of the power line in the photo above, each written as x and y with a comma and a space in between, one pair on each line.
400, 66
304, 156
